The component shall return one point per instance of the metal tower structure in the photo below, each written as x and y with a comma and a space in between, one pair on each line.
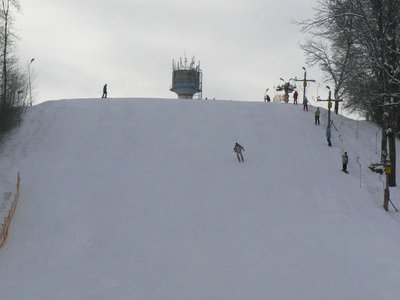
186, 79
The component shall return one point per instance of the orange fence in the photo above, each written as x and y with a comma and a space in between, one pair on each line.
7, 220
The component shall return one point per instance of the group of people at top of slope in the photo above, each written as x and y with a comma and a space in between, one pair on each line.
305, 104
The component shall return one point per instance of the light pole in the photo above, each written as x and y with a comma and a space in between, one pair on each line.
328, 128
286, 95
329, 105
304, 84
29, 81
305, 80
266, 95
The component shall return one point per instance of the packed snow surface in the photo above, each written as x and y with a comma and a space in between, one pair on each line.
145, 199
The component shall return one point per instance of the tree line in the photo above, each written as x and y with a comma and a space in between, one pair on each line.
14, 82
356, 43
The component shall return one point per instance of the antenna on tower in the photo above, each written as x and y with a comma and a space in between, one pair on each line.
185, 60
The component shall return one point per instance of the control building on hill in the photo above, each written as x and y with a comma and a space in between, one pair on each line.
186, 79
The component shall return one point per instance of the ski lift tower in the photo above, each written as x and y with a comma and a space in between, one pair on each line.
186, 79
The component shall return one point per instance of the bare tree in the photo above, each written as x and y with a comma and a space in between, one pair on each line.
7, 40
378, 32
331, 45
360, 51
13, 81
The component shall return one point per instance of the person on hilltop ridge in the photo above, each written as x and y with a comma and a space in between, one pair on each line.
295, 96
104, 91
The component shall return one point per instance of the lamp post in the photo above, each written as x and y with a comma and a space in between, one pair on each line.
305, 80
304, 84
29, 81
265, 95
329, 105
328, 128
285, 97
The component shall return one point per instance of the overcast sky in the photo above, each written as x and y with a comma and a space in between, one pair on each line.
244, 46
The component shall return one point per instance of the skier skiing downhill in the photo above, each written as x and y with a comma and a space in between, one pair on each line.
238, 149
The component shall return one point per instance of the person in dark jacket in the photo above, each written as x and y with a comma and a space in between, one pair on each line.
238, 149
295, 96
104, 91
317, 114
345, 161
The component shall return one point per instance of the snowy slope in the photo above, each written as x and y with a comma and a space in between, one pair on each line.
145, 199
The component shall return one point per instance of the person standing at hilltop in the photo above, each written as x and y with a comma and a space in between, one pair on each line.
104, 91
295, 96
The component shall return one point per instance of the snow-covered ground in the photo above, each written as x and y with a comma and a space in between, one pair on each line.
145, 199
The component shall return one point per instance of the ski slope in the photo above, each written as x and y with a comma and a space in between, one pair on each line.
145, 199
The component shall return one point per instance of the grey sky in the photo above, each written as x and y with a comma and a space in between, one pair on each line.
244, 46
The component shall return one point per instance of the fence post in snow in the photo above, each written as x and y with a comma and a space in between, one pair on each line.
8, 218
376, 140
341, 140
358, 162
357, 128
383, 183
